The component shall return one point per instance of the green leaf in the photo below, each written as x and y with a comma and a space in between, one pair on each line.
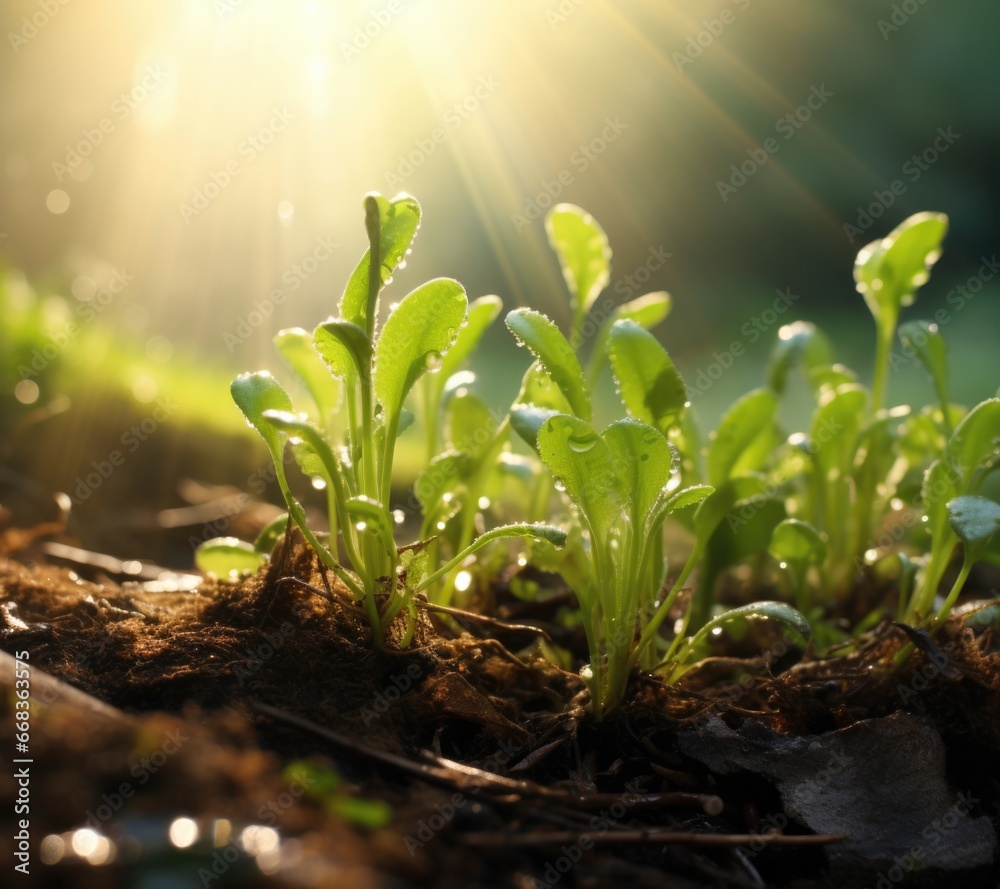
526, 420
472, 426
228, 557
888, 272
669, 502
296, 347
643, 462
437, 488
370, 516
270, 534
923, 339
482, 313
416, 334
784, 614
647, 311
312, 451
974, 520
799, 343
581, 460
717, 505
368, 814
538, 390
743, 424
532, 530
344, 348
649, 385
546, 342
796, 541
397, 220
974, 447
258, 392
584, 256
830, 376
833, 432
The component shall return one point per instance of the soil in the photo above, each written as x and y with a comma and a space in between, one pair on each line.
193, 705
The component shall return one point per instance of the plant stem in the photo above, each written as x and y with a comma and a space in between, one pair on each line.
949, 602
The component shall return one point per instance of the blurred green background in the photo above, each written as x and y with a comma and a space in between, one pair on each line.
169, 170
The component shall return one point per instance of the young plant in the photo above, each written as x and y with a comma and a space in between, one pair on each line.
624, 482
349, 452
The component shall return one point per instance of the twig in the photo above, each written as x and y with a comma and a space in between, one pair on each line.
651, 835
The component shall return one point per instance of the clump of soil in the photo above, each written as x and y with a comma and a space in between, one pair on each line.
494, 773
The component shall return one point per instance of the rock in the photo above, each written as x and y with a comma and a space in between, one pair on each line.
881, 782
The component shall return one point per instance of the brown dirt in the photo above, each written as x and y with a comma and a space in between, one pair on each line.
209, 664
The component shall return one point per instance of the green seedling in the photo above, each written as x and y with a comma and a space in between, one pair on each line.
624, 482
359, 378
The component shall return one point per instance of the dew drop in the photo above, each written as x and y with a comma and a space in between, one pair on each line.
433, 362
361, 526
398, 516
581, 443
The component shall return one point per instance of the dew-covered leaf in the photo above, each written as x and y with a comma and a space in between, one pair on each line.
584, 255
547, 343
415, 336
396, 222
581, 460
650, 386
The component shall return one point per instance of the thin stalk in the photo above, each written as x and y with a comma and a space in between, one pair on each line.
956, 588
653, 626
298, 516
883, 343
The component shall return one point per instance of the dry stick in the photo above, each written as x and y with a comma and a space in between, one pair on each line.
465, 777
652, 835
